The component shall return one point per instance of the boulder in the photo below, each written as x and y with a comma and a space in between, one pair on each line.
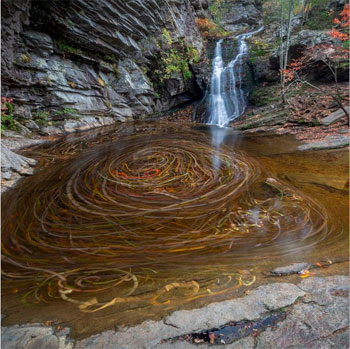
241, 13
333, 117
299, 43
262, 70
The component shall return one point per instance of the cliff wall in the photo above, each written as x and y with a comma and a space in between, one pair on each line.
84, 63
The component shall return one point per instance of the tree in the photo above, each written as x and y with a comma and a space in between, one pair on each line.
284, 46
333, 56
305, 11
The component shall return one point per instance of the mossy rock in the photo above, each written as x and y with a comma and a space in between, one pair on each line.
262, 96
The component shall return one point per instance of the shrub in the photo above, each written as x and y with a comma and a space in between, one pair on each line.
7, 121
68, 112
25, 58
65, 47
259, 48
41, 117
176, 61
208, 28
167, 37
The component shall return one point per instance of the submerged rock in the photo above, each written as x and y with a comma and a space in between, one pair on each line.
290, 269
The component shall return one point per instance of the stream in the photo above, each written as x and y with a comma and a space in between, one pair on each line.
133, 221
227, 100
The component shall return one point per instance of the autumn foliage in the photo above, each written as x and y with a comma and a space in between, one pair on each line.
331, 54
341, 31
208, 28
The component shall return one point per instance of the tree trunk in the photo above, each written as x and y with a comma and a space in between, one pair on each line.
282, 55
289, 28
285, 48
304, 12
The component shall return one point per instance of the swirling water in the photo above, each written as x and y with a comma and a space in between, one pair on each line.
141, 219
227, 100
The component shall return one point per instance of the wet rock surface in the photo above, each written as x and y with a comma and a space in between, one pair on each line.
234, 331
312, 314
290, 269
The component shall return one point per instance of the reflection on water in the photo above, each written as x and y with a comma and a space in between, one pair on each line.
142, 218
217, 137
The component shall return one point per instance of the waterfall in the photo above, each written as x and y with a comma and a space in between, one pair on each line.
227, 100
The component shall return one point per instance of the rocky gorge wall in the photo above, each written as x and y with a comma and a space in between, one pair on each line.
76, 64
80, 64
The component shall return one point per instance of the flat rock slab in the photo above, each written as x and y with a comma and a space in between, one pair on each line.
316, 316
331, 142
15, 142
335, 116
259, 301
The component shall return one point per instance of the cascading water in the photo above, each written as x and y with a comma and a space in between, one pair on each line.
227, 98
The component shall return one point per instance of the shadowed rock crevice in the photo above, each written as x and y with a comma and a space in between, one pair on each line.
233, 331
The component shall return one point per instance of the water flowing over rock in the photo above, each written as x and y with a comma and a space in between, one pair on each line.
227, 100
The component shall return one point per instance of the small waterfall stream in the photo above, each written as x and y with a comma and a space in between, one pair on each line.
227, 100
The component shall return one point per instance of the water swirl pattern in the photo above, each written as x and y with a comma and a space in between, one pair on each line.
124, 207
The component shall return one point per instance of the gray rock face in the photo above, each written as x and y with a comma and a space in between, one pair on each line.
41, 42
13, 167
241, 13
14, 15
95, 57
262, 70
311, 38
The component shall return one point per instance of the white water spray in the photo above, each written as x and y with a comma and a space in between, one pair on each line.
227, 99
